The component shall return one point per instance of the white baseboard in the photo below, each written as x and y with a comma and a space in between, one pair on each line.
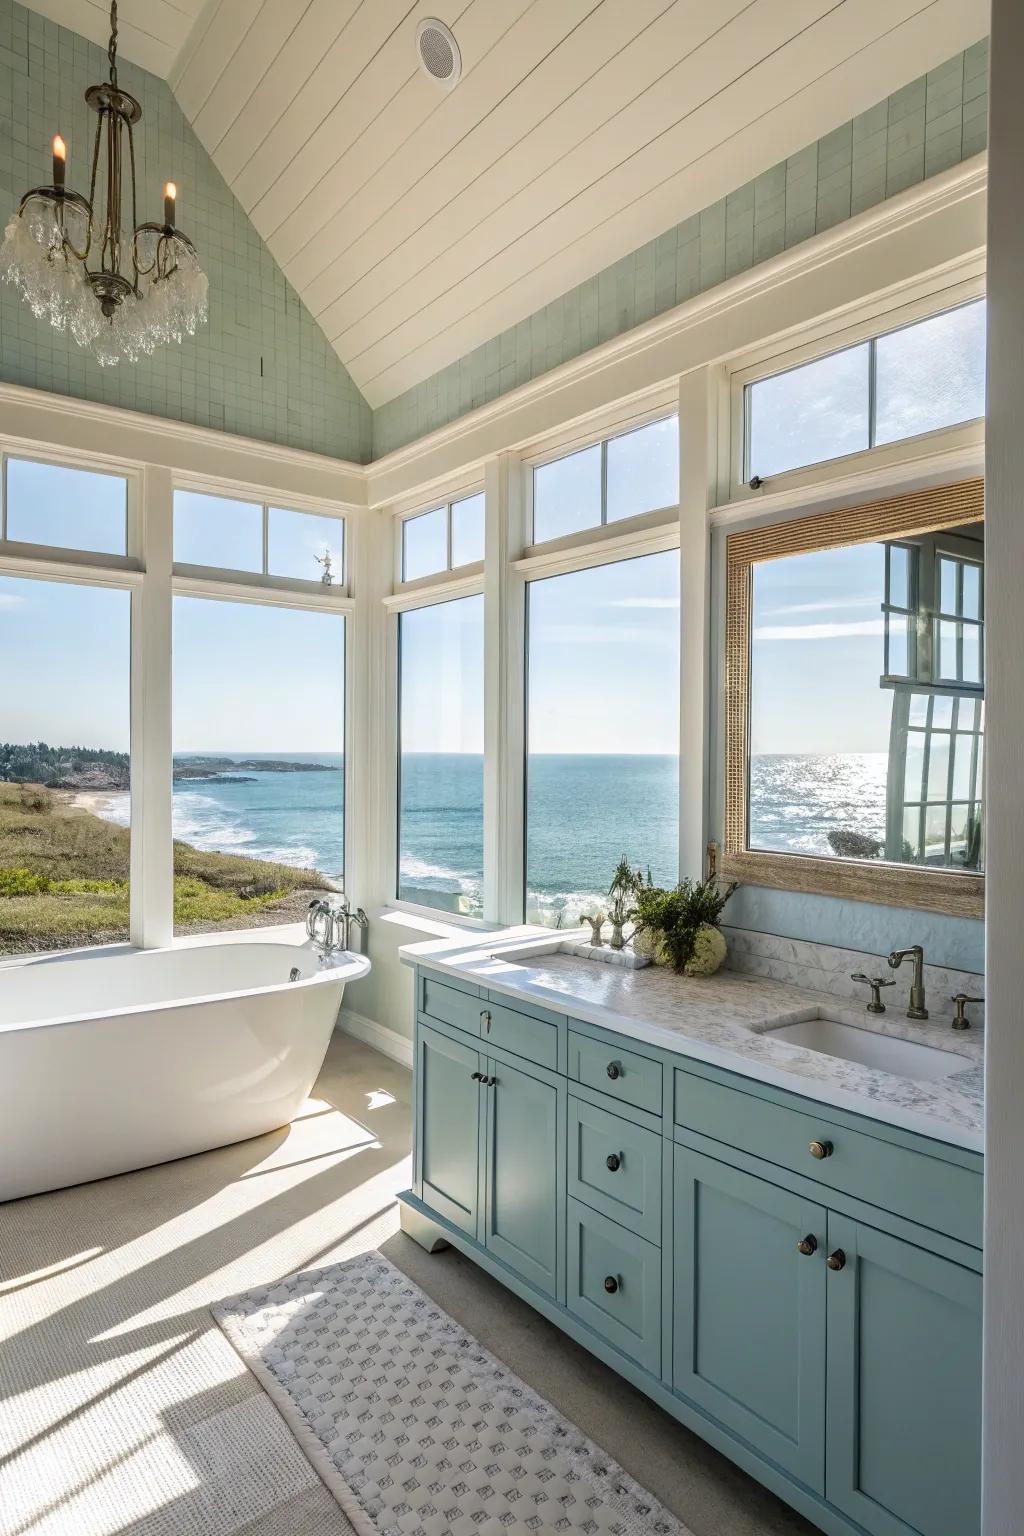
387, 1041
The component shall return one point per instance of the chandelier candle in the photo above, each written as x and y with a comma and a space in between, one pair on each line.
120, 292
60, 157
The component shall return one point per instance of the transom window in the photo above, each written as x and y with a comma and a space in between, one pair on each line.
621, 477
67, 508
444, 538
916, 379
256, 538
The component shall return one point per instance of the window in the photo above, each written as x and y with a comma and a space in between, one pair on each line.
602, 769
64, 766
68, 508
248, 536
624, 476
443, 539
217, 532
913, 380
305, 546
441, 764
259, 762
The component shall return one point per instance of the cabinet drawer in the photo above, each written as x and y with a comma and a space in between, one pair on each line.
615, 1167
924, 1189
613, 1070
534, 1039
613, 1284
450, 1005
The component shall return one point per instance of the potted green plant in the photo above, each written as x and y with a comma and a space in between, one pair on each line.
680, 927
622, 893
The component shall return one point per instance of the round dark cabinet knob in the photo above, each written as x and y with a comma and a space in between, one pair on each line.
613, 1162
611, 1285
808, 1244
820, 1149
836, 1260
614, 1070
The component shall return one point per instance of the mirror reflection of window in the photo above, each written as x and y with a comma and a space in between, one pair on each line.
867, 701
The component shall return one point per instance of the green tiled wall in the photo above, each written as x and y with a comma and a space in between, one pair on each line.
928, 126
262, 367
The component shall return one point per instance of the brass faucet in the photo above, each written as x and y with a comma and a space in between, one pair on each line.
917, 1009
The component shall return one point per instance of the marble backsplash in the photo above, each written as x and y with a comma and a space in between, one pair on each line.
826, 968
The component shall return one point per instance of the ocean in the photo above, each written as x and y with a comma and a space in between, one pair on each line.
583, 813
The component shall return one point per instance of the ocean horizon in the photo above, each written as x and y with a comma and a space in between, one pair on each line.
583, 812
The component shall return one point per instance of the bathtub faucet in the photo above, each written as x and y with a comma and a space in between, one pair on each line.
329, 925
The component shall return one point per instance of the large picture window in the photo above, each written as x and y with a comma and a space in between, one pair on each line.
259, 762
441, 765
603, 732
64, 766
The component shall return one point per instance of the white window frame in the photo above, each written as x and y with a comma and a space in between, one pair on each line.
626, 418
146, 571
263, 580
822, 338
443, 502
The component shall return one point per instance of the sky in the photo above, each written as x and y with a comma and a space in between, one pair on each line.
246, 678
817, 651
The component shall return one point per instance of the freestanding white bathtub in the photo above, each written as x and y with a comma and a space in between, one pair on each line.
116, 1062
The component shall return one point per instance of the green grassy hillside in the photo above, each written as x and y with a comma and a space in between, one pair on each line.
64, 879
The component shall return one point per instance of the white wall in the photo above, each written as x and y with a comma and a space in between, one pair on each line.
1003, 1419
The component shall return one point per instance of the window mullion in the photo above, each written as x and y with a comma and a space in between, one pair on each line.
152, 868
504, 692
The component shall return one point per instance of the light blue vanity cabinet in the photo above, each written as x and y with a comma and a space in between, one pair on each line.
448, 1127
799, 1284
904, 1385
749, 1310
489, 1151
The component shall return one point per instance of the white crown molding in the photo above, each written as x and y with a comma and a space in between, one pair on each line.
37, 419
930, 231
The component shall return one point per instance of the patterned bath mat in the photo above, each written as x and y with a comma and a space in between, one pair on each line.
413, 1425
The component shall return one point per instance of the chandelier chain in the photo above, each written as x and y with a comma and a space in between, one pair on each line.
112, 45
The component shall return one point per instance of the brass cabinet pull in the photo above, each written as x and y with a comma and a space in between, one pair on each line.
485, 1019
614, 1070
836, 1260
611, 1285
808, 1244
613, 1162
820, 1149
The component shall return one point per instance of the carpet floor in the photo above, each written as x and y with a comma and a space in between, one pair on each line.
126, 1410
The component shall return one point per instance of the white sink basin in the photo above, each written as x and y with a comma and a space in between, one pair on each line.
884, 1052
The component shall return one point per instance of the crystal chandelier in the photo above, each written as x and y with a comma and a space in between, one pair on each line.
139, 290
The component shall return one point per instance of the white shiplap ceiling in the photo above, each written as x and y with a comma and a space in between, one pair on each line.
150, 32
417, 223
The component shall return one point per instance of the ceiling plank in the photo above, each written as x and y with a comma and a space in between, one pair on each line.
679, 114
418, 114
275, 93
228, 21
262, 185
916, 45
485, 170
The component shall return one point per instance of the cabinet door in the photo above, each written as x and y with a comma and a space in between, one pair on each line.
524, 1205
448, 1116
904, 1386
749, 1310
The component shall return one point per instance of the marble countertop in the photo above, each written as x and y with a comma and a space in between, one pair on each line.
724, 1019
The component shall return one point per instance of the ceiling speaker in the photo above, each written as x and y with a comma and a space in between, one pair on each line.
438, 52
